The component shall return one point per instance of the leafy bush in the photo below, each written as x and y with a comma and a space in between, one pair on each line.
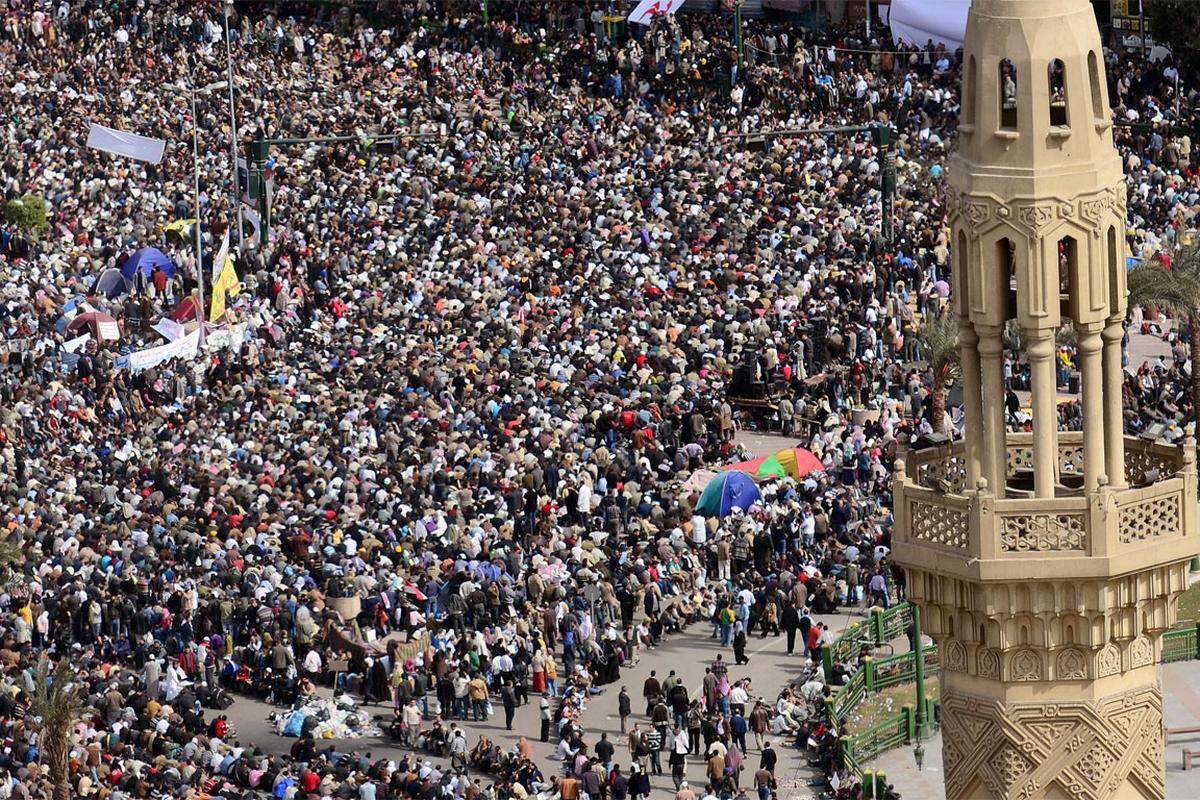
28, 213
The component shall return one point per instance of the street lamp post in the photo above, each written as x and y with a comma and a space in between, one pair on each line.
233, 134
919, 675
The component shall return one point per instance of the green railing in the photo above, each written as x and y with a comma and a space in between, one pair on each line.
878, 674
892, 732
1181, 645
872, 677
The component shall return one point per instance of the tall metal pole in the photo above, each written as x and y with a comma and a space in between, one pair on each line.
868, 21
200, 315
233, 135
737, 33
919, 671
1142, 26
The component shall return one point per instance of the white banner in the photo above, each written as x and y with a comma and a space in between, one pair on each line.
108, 330
183, 347
121, 143
647, 10
169, 328
918, 21
76, 343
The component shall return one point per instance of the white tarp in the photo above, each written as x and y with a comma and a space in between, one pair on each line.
647, 10
121, 143
918, 21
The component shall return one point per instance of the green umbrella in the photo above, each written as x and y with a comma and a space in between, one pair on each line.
771, 468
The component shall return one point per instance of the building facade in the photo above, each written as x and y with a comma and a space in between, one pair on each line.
1047, 564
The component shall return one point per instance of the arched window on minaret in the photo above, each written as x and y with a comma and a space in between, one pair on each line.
1067, 263
1006, 259
1008, 94
1098, 110
972, 89
1114, 264
1056, 74
964, 272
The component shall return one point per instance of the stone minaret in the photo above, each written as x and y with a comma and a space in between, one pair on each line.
1046, 564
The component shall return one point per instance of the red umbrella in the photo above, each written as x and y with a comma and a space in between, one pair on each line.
102, 326
749, 467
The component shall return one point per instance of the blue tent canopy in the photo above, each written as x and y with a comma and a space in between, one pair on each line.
146, 260
111, 283
728, 490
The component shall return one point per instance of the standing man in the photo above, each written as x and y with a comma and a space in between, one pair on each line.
768, 759
790, 622
651, 689
624, 707
509, 698
547, 716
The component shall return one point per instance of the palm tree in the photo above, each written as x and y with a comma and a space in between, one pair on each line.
938, 339
1175, 289
57, 703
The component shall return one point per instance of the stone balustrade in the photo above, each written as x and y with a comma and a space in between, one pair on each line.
941, 521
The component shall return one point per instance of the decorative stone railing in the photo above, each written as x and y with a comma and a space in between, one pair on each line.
947, 465
973, 533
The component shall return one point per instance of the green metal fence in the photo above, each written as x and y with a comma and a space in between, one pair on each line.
894, 731
874, 676
878, 674
1181, 645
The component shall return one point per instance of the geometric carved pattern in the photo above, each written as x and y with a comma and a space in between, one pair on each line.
1026, 666
1034, 217
1141, 652
952, 470
1140, 460
987, 664
955, 659
1070, 665
1029, 533
1019, 458
1108, 662
1092, 751
938, 524
976, 213
1158, 516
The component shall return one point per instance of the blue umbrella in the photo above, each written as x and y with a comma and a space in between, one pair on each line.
146, 260
728, 490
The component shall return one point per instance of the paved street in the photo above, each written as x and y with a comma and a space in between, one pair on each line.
688, 654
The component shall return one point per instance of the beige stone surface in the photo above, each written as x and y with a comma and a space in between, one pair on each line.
1047, 564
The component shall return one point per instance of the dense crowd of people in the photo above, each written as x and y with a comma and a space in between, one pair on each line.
439, 454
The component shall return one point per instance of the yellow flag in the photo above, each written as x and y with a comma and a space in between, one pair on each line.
181, 226
225, 285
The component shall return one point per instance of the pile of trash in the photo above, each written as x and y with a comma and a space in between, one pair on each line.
327, 718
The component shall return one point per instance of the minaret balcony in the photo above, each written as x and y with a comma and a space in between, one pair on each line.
970, 532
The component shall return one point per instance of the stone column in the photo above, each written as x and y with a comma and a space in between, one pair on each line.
991, 366
1045, 409
1093, 404
972, 399
1114, 420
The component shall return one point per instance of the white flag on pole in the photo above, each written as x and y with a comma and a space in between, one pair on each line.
219, 259
121, 143
647, 10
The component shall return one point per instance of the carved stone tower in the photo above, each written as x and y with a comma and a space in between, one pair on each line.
1047, 564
